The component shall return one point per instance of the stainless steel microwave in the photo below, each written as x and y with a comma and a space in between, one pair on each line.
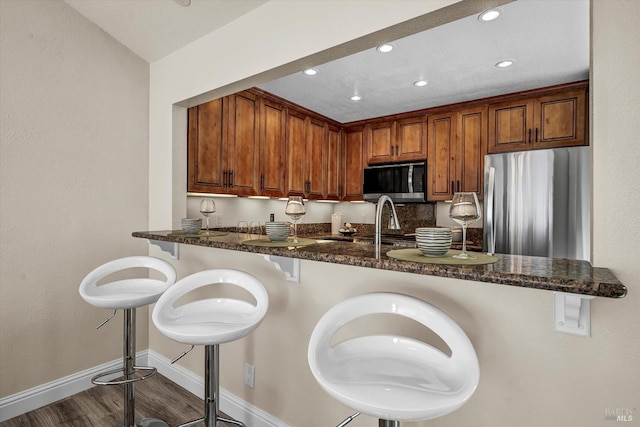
404, 183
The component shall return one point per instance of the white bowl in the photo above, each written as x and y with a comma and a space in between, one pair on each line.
277, 231
191, 225
434, 242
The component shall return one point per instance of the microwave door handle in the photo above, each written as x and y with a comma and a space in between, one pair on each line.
410, 179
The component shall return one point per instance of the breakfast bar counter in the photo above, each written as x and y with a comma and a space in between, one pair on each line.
561, 275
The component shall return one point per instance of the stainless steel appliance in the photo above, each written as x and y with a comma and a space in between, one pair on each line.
403, 183
538, 203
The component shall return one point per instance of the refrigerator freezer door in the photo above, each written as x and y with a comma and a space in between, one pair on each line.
540, 203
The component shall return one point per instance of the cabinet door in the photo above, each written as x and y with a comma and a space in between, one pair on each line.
472, 140
510, 126
206, 148
243, 148
333, 163
353, 162
381, 142
411, 141
441, 158
294, 171
315, 158
272, 149
560, 120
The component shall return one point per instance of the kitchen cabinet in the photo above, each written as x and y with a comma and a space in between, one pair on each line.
315, 159
334, 189
456, 142
353, 162
223, 146
243, 150
539, 121
397, 141
272, 148
206, 148
306, 153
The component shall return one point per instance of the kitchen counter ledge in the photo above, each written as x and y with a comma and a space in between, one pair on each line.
561, 275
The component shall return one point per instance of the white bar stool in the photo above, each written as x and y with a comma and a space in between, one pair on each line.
393, 378
210, 321
127, 295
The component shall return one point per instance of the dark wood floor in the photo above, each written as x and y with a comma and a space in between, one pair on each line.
101, 406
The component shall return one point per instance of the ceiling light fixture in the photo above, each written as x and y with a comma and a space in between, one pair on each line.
310, 72
384, 48
504, 64
356, 98
489, 15
420, 83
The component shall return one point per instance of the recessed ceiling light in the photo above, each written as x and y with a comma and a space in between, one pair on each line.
384, 48
489, 15
310, 72
504, 64
420, 83
356, 98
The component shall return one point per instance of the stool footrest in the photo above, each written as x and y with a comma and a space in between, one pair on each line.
96, 379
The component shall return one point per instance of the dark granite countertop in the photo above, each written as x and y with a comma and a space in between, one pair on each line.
561, 275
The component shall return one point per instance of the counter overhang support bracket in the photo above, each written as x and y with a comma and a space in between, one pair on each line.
171, 247
572, 313
290, 266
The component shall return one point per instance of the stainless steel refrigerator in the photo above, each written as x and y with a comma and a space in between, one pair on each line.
538, 203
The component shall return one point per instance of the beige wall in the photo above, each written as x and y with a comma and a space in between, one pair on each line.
530, 375
74, 184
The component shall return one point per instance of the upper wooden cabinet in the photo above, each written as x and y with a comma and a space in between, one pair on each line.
397, 141
353, 162
539, 121
272, 148
206, 148
456, 143
334, 162
223, 146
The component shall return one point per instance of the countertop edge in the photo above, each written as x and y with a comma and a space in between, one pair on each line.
610, 288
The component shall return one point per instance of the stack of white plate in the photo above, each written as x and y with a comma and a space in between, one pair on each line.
277, 231
191, 225
433, 241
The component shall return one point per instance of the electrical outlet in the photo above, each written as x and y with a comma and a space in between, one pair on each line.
218, 219
249, 375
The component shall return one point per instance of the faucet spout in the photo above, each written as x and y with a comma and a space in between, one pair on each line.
394, 224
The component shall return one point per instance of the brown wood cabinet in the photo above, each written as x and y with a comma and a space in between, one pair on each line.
544, 121
206, 148
397, 140
243, 149
334, 188
353, 162
456, 142
272, 148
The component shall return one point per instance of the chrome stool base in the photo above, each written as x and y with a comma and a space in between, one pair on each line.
388, 423
147, 422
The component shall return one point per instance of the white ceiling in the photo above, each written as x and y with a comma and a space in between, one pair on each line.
155, 28
547, 39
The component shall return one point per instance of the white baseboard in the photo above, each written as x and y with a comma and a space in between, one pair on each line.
230, 404
45, 394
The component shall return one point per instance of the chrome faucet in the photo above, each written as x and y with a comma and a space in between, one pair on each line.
394, 224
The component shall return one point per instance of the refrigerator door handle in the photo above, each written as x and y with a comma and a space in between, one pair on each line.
491, 244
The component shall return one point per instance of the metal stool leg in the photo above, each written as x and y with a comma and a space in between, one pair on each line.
388, 423
129, 368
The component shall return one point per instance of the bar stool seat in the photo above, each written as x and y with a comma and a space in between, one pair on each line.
210, 321
127, 295
394, 378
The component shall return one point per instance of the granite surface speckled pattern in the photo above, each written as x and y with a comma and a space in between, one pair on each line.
561, 275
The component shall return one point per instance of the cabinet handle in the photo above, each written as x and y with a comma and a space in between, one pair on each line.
458, 182
453, 188
224, 178
340, 190
529, 136
396, 150
391, 149
262, 182
536, 134
230, 178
